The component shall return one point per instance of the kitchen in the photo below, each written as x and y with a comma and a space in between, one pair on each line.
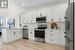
44, 23
37, 21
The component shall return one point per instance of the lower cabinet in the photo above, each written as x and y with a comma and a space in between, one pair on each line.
31, 34
54, 37
18, 34
12, 35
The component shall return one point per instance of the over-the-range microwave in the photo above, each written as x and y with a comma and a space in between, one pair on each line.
41, 19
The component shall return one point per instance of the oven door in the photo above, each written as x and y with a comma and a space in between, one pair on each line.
40, 33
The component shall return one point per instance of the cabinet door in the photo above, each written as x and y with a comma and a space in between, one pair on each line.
31, 34
48, 14
18, 34
10, 36
52, 36
44, 11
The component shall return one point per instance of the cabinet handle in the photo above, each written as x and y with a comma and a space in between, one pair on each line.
14, 33
51, 40
51, 35
65, 17
30, 32
65, 33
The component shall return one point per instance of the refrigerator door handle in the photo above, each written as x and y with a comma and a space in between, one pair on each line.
65, 33
69, 40
65, 17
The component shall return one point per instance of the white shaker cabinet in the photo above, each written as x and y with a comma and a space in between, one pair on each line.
18, 34
48, 15
53, 36
31, 34
31, 31
11, 35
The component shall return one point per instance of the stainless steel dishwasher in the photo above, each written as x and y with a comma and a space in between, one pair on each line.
25, 32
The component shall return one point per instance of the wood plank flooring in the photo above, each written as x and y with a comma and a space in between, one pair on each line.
23, 44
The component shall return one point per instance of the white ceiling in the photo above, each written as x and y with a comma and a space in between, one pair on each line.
36, 3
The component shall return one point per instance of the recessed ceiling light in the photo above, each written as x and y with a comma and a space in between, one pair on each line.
23, 4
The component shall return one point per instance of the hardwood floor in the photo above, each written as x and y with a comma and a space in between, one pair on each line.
23, 44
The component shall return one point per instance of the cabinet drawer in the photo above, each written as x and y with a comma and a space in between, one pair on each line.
52, 31
51, 36
53, 41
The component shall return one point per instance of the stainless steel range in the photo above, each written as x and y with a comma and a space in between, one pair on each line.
39, 32
40, 35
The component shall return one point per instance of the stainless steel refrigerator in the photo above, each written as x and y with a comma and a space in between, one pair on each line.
69, 31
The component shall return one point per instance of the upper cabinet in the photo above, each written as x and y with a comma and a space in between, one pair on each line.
57, 13
38, 12
48, 14
44, 11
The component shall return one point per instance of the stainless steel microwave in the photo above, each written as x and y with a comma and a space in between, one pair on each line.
41, 19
